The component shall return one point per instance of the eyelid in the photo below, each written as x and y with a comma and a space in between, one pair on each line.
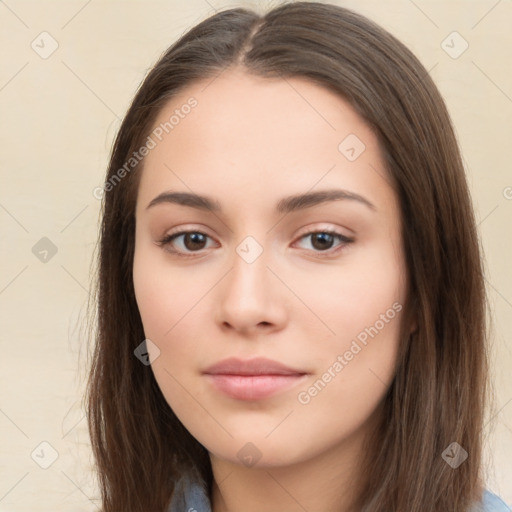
186, 228
324, 227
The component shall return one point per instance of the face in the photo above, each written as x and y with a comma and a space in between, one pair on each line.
253, 271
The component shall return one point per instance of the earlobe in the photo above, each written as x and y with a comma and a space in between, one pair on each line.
412, 321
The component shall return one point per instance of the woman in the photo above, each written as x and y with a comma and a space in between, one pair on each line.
291, 299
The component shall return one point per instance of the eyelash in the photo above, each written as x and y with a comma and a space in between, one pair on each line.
167, 239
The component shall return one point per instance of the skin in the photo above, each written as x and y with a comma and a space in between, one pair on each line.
248, 143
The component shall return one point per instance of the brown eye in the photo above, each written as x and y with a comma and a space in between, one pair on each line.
185, 243
194, 241
324, 241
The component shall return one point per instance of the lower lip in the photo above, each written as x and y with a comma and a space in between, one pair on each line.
253, 387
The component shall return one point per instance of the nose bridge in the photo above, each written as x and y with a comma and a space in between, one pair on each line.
249, 263
249, 297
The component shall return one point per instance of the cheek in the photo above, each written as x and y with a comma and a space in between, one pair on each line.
165, 295
353, 378
368, 289
166, 305
356, 364
173, 314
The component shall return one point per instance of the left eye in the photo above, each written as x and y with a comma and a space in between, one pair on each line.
323, 240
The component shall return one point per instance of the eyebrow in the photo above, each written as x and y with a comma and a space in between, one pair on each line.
285, 205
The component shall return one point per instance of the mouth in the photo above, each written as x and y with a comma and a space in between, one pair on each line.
253, 379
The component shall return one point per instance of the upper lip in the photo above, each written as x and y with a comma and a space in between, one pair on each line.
256, 366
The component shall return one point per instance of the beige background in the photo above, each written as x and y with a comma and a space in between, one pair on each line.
58, 118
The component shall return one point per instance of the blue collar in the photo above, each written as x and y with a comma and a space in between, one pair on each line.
192, 496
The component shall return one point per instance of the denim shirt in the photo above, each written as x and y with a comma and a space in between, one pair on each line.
192, 496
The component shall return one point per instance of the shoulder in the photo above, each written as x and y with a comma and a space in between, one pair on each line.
492, 503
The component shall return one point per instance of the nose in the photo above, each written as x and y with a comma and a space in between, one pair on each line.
251, 299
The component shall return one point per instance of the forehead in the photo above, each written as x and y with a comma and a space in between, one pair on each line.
252, 108
243, 133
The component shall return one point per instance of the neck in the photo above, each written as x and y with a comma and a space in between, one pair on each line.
327, 482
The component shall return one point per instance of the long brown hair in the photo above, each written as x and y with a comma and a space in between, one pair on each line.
440, 390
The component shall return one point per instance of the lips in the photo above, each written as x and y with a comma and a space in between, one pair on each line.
252, 379
257, 366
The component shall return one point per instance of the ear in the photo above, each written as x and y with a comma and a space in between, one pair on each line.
412, 319
412, 309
